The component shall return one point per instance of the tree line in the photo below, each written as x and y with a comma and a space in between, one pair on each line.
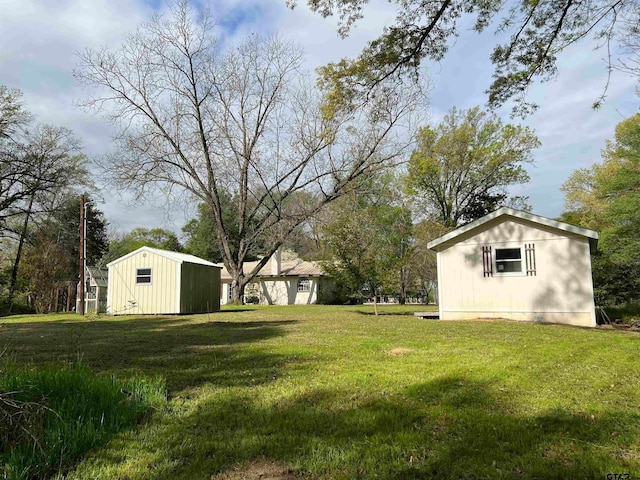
606, 198
367, 237
341, 169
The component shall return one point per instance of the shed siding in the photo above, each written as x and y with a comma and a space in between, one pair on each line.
561, 291
125, 297
200, 288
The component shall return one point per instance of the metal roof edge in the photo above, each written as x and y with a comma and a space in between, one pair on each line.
128, 255
165, 254
502, 211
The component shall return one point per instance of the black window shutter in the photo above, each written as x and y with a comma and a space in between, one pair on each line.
487, 261
530, 256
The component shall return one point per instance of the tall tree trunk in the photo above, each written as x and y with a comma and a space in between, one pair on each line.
403, 286
16, 263
375, 302
238, 285
57, 299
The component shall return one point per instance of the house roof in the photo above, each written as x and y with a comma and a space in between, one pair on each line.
450, 238
175, 256
291, 268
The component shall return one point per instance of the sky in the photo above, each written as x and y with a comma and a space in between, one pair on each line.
40, 39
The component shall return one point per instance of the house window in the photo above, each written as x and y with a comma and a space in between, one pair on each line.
304, 285
143, 276
230, 293
508, 260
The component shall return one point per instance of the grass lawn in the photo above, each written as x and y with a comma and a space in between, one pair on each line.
337, 393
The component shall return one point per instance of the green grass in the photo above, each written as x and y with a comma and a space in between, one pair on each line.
52, 415
337, 393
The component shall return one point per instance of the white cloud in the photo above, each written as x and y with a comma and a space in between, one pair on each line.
40, 40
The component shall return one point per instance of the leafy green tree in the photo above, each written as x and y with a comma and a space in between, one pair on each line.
585, 202
46, 264
142, 237
422, 265
463, 167
201, 236
58, 235
368, 241
606, 197
63, 225
622, 189
539, 31
202, 232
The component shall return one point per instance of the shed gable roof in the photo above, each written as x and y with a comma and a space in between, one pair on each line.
175, 256
450, 238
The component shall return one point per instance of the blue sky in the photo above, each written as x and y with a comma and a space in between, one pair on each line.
40, 40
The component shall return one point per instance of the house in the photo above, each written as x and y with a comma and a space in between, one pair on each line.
95, 292
516, 265
154, 281
284, 280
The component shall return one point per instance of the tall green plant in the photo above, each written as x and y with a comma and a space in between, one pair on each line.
51, 415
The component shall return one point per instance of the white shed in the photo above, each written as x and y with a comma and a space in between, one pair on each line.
154, 281
516, 265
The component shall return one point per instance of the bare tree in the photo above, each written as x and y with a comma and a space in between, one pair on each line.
244, 121
36, 168
13, 117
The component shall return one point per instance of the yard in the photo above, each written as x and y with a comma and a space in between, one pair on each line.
335, 392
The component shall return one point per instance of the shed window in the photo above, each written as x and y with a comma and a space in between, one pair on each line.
143, 276
508, 260
304, 285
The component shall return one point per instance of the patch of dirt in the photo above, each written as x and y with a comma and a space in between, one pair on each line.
262, 469
625, 327
399, 351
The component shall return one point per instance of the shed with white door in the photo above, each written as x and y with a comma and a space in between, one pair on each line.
516, 265
154, 281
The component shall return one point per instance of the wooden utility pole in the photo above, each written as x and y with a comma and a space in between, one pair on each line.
82, 234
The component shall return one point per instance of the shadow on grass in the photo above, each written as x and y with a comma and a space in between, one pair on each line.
447, 428
384, 314
244, 308
185, 352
